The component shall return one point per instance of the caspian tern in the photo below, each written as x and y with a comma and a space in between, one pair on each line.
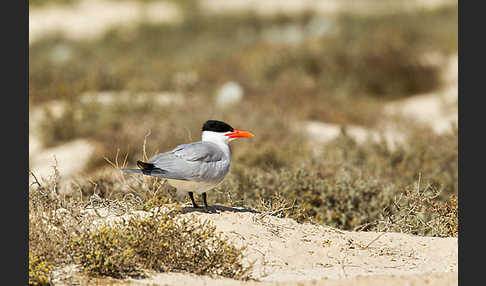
195, 167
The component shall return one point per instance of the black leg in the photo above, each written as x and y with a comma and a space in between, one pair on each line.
204, 199
191, 195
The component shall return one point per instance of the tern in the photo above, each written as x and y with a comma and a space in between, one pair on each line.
195, 167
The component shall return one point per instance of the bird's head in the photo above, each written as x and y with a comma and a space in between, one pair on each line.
218, 131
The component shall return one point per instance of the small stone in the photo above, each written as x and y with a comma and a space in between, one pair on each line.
229, 94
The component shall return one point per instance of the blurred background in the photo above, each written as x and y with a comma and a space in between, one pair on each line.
363, 90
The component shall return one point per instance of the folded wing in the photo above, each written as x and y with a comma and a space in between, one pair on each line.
200, 161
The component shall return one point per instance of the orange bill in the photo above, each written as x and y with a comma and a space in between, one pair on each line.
237, 133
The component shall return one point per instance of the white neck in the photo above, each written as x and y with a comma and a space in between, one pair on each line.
217, 138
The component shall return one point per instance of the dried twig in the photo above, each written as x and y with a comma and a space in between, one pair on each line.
375, 239
114, 165
144, 143
35, 179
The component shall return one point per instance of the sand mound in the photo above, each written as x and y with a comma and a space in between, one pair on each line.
285, 252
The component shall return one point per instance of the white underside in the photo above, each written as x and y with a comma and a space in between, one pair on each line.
184, 187
191, 186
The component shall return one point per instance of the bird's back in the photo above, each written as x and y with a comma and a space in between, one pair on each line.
199, 161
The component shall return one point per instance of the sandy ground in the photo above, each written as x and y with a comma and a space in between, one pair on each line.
285, 252
439, 279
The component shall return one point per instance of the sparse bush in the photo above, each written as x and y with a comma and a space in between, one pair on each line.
344, 202
163, 243
434, 156
448, 216
103, 252
419, 212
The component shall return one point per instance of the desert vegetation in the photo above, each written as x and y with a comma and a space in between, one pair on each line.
339, 69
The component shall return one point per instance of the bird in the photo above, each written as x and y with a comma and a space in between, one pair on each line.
195, 167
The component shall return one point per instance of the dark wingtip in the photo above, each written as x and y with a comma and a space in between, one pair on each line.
145, 166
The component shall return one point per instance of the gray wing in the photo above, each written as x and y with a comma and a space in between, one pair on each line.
200, 161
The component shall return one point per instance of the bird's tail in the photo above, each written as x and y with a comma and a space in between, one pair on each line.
145, 166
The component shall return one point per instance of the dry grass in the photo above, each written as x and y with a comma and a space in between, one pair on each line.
62, 230
418, 212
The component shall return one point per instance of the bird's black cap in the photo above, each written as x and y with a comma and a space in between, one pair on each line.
217, 126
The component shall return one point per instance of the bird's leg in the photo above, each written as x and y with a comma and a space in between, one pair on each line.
191, 195
204, 199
